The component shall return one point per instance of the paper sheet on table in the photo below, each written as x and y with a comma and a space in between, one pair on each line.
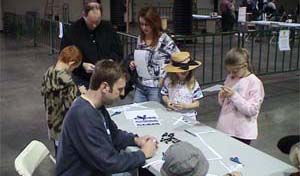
140, 62
61, 30
126, 107
242, 14
214, 88
146, 120
209, 152
284, 40
134, 114
201, 129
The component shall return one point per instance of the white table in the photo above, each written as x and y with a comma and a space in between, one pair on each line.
210, 21
281, 24
255, 162
206, 17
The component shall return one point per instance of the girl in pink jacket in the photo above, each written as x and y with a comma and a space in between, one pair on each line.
240, 98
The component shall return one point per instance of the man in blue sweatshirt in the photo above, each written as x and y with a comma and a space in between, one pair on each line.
90, 140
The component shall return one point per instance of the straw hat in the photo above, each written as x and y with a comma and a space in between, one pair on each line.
181, 62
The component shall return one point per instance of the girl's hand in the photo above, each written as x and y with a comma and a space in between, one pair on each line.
222, 93
228, 92
170, 106
180, 106
132, 65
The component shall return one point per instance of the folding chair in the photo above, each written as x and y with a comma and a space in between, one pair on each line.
30, 158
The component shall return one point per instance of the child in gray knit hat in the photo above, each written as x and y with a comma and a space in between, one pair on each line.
183, 159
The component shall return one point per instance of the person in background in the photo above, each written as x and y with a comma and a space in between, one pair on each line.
227, 12
180, 91
90, 140
294, 156
157, 48
95, 38
59, 90
241, 97
271, 10
291, 145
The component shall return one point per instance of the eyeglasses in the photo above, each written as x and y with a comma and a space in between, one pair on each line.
235, 69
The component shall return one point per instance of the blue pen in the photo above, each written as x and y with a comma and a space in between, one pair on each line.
236, 160
115, 113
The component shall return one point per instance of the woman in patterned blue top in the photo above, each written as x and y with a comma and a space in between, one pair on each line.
153, 52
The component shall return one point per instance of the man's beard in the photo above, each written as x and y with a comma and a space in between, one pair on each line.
110, 101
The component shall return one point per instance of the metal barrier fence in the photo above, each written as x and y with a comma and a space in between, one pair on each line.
167, 11
265, 56
209, 48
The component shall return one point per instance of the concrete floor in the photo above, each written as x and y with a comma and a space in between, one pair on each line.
23, 117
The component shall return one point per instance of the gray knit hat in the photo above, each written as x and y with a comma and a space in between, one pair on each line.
183, 159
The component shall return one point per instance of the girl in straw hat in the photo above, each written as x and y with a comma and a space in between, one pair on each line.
180, 91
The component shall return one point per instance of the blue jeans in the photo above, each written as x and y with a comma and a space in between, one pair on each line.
143, 93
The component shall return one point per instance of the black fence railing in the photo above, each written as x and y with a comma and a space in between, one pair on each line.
209, 48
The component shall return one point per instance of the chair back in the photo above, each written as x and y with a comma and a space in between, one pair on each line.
30, 158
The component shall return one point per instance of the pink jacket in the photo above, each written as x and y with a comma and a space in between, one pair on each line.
238, 116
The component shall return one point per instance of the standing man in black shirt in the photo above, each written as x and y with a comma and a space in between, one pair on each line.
95, 38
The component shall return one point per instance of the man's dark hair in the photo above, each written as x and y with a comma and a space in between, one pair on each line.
87, 8
109, 71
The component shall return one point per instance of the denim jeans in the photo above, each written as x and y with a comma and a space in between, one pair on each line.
145, 93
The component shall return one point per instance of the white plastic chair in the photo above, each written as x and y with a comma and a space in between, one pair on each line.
30, 158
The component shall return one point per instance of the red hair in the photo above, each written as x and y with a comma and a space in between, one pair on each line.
69, 54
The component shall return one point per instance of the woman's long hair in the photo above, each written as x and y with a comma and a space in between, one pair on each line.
189, 80
153, 19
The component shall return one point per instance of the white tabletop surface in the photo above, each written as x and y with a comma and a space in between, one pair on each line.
206, 17
283, 24
255, 162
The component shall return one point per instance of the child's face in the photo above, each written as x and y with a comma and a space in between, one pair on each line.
72, 67
182, 75
237, 71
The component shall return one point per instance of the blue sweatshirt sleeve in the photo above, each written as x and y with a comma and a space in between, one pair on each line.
95, 147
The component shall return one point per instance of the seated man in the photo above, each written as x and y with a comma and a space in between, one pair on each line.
90, 140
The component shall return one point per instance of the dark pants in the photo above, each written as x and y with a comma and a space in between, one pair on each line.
227, 21
285, 143
246, 141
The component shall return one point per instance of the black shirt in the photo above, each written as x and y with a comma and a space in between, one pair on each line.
101, 43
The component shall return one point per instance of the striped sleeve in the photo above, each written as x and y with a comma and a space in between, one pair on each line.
197, 92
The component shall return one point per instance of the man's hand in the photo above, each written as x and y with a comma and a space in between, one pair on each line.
149, 148
88, 67
141, 141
